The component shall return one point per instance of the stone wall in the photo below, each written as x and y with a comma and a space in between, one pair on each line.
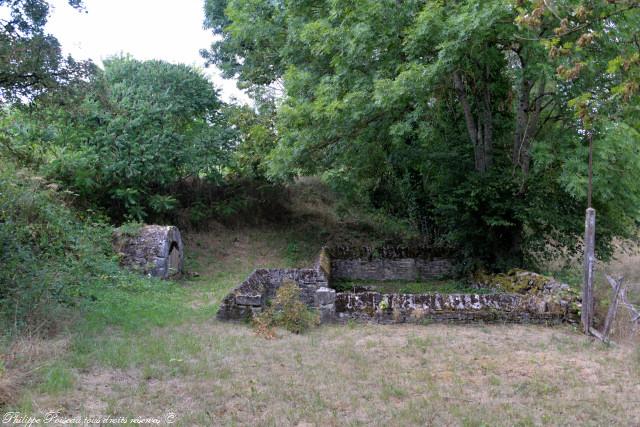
386, 251
409, 269
410, 263
499, 307
252, 295
546, 304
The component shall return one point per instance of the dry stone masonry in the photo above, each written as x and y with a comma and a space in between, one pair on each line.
415, 263
550, 302
153, 250
400, 308
261, 285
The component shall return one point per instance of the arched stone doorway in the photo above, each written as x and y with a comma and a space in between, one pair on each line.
153, 250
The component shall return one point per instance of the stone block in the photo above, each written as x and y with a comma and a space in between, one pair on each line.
327, 312
253, 300
153, 250
325, 296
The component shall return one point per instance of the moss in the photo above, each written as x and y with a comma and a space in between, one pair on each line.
515, 281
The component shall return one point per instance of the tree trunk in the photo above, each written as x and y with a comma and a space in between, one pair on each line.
521, 122
478, 150
527, 118
488, 129
480, 134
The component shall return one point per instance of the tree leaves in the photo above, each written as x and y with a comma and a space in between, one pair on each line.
141, 127
405, 103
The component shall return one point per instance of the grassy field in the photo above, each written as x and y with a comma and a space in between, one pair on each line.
408, 287
161, 351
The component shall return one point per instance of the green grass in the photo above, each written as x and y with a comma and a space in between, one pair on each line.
57, 378
143, 350
141, 327
133, 311
406, 287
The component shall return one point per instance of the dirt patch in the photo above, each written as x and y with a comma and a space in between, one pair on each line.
22, 361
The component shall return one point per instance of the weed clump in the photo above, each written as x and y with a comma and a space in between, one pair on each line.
286, 311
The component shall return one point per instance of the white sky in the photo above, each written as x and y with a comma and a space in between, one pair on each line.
171, 30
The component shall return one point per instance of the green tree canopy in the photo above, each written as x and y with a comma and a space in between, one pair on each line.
142, 127
456, 115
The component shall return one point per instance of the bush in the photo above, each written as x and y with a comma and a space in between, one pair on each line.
286, 311
49, 258
137, 129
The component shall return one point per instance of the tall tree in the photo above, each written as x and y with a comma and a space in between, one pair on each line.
31, 61
142, 127
448, 113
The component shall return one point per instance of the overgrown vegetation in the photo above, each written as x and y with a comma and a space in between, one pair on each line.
467, 119
462, 124
286, 311
140, 128
51, 259
209, 371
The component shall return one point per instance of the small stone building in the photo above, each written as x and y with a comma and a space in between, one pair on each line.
153, 250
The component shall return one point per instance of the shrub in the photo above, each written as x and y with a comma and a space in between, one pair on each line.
49, 258
137, 129
286, 311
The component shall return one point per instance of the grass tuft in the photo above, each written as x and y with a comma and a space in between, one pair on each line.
57, 379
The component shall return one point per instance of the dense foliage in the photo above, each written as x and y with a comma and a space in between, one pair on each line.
256, 132
141, 127
49, 257
470, 118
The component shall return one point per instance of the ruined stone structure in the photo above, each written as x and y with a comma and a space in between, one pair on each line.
389, 263
498, 307
549, 304
261, 285
153, 250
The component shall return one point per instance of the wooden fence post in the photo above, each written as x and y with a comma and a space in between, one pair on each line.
589, 267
